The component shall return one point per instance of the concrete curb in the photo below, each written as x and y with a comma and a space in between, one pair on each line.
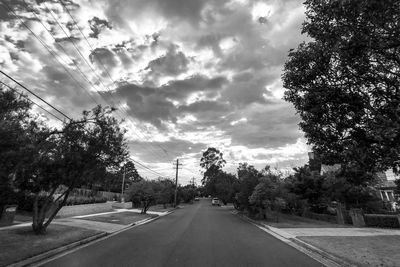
53, 252
51, 256
317, 254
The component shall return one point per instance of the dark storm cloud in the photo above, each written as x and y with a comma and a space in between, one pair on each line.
103, 56
154, 104
172, 63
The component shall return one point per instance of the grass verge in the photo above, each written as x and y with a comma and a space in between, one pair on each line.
360, 251
21, 243
124, 218
293, 221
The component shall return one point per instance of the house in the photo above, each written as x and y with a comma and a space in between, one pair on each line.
387, 189
386, 186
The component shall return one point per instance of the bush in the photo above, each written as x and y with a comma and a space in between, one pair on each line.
80, 200
320, 217
382, 220
25, 201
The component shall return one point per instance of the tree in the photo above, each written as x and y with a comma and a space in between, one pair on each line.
60, 160
248, 178
165, 192
345, 83
143, 193
15, 120
224, 189
212, 161
131, 173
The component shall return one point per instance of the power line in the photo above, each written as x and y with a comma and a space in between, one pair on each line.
30, 100
94, 54
47, 103
54, 55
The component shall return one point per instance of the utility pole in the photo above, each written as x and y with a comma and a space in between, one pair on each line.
123, 186
176, 181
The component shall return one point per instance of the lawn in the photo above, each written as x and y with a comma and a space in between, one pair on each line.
21, 243
124, 218
361, 251
292, 221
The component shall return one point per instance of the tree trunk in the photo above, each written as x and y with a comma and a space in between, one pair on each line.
39, 225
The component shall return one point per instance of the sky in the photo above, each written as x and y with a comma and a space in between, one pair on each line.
184, 75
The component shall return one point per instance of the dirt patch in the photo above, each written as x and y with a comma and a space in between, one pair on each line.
21, 243
361, 251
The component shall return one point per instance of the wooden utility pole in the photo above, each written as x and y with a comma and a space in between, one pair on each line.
123, 187
176, 182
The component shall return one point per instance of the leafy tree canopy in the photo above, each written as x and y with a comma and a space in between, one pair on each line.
345, 82
57, 161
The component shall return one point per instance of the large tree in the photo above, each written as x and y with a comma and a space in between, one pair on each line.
60, 160
15, 120
248, 178
212, 162
345, 83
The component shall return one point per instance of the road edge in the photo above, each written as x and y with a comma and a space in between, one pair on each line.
51, 255
317, 254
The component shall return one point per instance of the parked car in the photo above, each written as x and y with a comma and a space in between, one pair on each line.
215, 202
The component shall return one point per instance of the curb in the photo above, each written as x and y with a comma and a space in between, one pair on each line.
53, 252
56, 253
317, 254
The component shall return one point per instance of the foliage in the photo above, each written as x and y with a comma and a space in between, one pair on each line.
306, 185
186, 193
213, 162
146, 193
15, 120
345, 82
80, 200
248, 178
131, 173
58, 161
379, 220
143, 193
265, 192
165, 192
224, 186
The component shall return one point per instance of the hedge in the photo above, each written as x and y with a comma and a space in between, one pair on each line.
320, 217
80, 200
25, 202
382, 220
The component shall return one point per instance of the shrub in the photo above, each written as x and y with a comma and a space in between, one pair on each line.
25, 201
382, 220
80, 200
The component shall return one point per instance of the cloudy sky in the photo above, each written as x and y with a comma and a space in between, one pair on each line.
185, 75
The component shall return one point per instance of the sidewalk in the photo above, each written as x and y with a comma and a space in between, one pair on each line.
345, 245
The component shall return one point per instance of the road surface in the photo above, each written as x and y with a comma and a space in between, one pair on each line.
196, 235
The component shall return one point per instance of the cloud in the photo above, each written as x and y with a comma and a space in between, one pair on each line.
173, 63
196, 73
97, 25
166, 151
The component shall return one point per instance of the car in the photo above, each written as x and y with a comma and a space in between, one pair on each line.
215, 202
196, 199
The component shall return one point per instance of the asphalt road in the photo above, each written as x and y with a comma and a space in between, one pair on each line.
196, 235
